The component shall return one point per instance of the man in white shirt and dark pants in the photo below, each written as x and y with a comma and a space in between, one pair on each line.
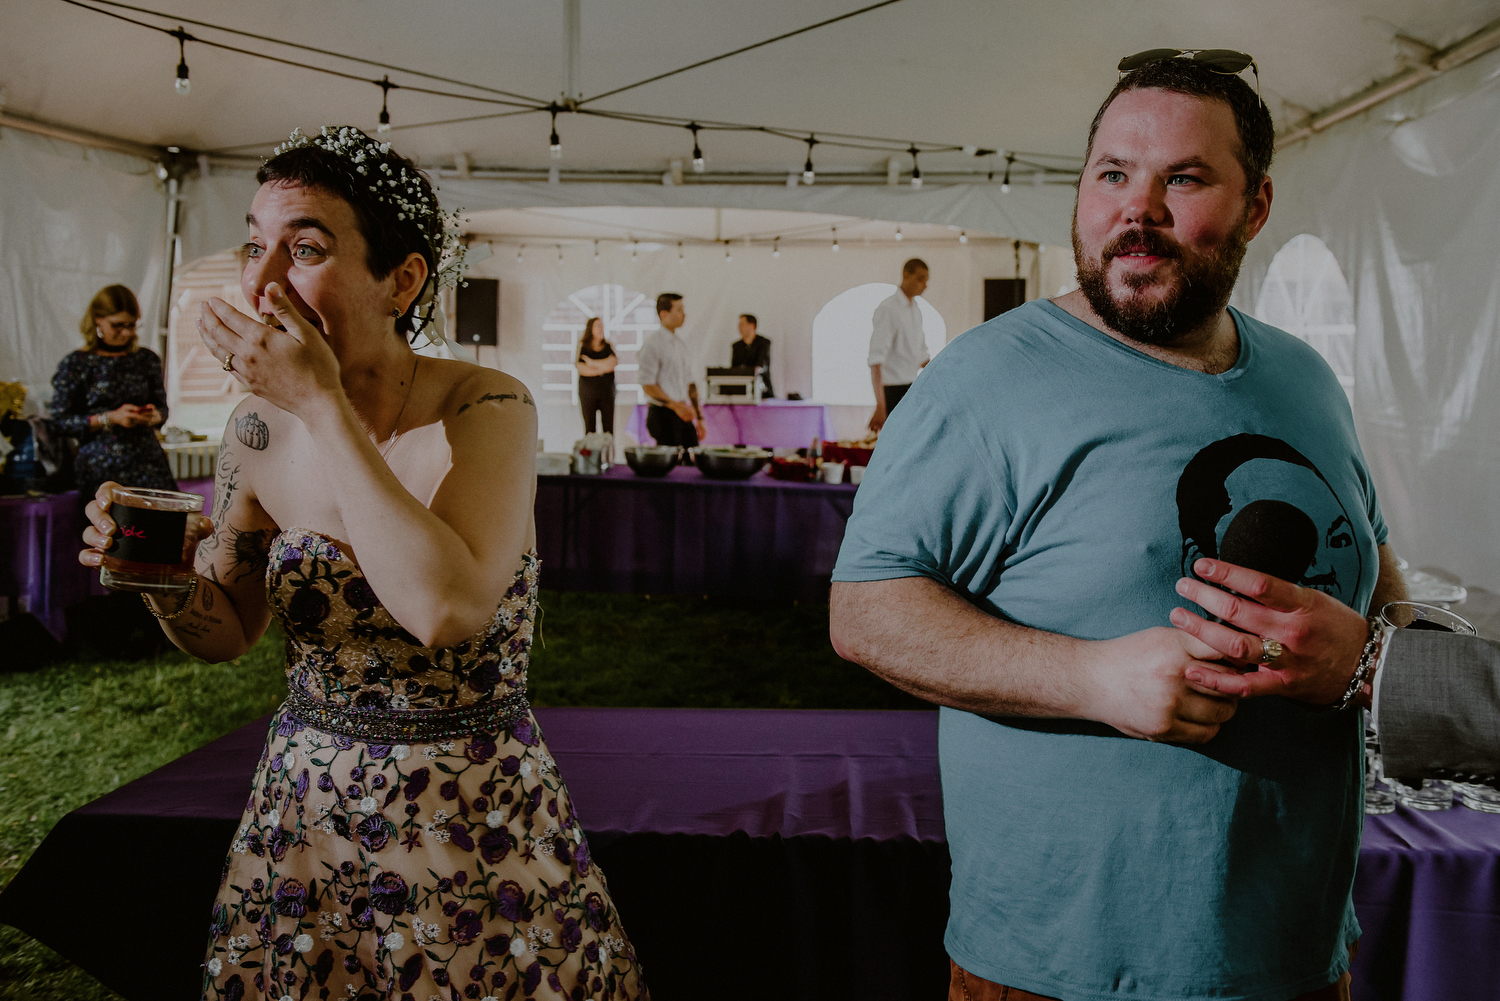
898, 348
666, 377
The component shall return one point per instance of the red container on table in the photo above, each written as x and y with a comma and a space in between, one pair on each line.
849, 455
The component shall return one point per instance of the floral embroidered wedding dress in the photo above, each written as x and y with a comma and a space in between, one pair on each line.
407, 836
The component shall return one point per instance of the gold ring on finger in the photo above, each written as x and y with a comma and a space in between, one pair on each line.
1270, 650
228, 362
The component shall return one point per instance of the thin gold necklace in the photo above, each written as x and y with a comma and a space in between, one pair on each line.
385, 450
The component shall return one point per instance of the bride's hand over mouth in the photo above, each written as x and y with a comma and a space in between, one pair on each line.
286, 361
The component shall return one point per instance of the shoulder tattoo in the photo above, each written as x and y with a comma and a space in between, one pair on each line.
249, 551
497, 398
252, 431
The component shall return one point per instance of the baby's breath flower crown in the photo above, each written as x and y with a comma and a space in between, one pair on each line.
408, 194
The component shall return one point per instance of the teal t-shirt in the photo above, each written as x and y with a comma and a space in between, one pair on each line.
1063, 481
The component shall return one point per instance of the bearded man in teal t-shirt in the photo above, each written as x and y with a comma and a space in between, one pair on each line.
1116, 830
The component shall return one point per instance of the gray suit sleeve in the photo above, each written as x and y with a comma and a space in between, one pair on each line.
1440, 706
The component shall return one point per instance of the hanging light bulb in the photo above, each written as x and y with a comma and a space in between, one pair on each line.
519, 251
776, 247
963, 237
916, 170
596, 250
807, 168
385, 85
680, 258
559, 251
182, 84
632, 250
697, 153
898, 234
556, 147
1005, 181
835, 240
728, 257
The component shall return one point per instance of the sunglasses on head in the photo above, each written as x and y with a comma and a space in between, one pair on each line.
1225, 61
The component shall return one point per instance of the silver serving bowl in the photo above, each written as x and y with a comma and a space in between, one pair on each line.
730, 463
651, 460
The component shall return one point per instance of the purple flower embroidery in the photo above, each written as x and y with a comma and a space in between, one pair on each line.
594, 912
480, 749
449, 790
388, 893
291, 898
279, 841
325, 782
416, 783
288, 725
361, 917
276, 762
524, 732
300, 789
308, 608
234, 989
572, 935
291, 558
510, 901
495, 845
466, 927
532, 979
379, 752
461, 837
510, 765
499, 945
358, 594
581, 857
411, 971
373, 833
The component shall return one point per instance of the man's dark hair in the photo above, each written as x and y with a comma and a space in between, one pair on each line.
665, 300
750, 319
388, 239
1184, 76
911, 266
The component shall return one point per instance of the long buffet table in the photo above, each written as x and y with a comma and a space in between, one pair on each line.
768, 424
752, 854
687, 534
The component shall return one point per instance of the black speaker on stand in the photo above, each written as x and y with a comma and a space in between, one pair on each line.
478, 308
1001, 295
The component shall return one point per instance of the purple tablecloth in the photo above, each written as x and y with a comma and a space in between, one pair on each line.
688, 534
1426, 891
769, 424
39, 543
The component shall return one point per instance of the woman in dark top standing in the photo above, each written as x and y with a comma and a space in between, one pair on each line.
596, 377
110, 397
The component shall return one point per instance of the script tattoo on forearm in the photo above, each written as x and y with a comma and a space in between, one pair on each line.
498, 398
252, 431
250, 552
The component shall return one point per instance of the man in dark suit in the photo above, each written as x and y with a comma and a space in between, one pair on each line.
1435, 696
751, 350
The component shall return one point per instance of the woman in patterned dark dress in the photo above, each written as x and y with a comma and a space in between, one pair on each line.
407, 835
110, 397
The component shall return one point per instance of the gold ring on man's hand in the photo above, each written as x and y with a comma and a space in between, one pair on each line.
228, 359
1270, 649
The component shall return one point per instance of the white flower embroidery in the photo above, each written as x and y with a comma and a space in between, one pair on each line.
438, 834
526, 769
506, 667
447, 746
517, 948
273, 819
338, 920
440, 817
429, 752
234, 958
214, 966
401, 752
240, 847
547, 761
400, 701
394, 940
288, 759
494, 818
303, 943
368, 804
324, 809
287, 997
244, 830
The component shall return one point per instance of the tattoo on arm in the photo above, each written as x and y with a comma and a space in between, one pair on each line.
499, 398
208, 598
252, 432
250, 551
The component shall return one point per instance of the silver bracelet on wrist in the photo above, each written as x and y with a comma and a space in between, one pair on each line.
1368, 658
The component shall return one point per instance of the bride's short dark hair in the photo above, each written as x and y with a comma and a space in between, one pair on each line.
390, 233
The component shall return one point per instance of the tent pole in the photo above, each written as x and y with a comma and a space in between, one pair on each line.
573, 28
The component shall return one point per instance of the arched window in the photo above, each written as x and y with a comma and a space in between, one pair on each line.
628, 317
841, 343
1305, 294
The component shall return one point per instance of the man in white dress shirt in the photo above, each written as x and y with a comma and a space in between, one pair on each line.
666, 375
898, 349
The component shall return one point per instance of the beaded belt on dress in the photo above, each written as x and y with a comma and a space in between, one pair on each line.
408, 725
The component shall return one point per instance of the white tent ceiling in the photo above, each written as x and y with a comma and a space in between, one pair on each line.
1012, 76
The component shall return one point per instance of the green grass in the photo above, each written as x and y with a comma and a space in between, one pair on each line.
77, 729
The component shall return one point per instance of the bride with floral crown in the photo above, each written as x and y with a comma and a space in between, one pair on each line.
406, 835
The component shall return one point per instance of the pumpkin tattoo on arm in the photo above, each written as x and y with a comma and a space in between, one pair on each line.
252, 432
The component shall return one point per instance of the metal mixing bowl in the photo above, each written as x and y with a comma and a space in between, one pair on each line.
651, 460
730, 463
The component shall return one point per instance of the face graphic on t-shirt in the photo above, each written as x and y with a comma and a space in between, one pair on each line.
1287, 513
1257, 502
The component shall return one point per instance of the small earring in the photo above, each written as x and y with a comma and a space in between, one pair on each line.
395, 313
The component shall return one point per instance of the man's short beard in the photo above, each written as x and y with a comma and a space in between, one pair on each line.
1203, 286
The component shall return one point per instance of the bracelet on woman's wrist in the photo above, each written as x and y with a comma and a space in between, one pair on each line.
186, 601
